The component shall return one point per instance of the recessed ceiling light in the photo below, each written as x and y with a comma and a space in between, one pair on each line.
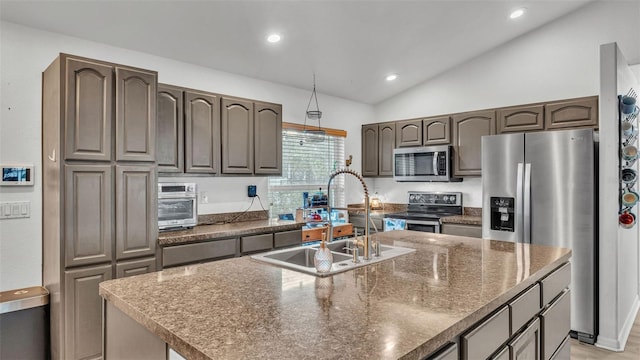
273, 38
391, 77
517, 13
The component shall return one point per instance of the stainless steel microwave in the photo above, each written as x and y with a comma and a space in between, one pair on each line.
429, 163
177, 205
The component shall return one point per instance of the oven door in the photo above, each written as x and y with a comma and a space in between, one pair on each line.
432, 226
177, 212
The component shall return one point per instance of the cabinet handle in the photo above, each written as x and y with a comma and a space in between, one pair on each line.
52, 157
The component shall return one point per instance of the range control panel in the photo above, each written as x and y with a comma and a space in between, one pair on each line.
435, 198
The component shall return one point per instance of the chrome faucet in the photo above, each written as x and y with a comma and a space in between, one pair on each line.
367, 213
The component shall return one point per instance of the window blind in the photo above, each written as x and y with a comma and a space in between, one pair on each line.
307, 161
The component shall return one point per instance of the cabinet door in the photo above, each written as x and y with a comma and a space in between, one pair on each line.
136, 93
170, 129
135, 267
386, 144
268, 138
409, 133
520, 118
582, 112
88, 212
287, 238
136, 211
237, 136
83, 312
468, 129
202, 132
370, 150
437, 131
526, 346
88, 119
255, 243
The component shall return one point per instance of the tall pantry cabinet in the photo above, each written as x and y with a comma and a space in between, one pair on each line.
99, 191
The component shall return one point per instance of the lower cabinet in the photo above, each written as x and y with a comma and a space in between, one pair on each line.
135, 267
83, 311
486, 337
526, 346
255, 243
462, 230
199, 252
556, 324
287, 238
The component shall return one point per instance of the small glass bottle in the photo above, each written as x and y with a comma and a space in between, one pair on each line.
323, 259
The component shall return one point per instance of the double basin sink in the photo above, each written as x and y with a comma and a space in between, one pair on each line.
301, 258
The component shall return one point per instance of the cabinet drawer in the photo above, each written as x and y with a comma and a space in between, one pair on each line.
449, 352
462, 230
524, 307
556, 324
184, 254
554, 283
256, 243
135, 267
564, 351
312, 234
342, 230
487, 337
287, 238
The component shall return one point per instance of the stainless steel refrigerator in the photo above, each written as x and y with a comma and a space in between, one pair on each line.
541, 188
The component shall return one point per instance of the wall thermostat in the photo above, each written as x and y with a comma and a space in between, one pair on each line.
17, 175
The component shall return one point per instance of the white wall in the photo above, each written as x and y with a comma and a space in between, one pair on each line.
26, 52
557, 61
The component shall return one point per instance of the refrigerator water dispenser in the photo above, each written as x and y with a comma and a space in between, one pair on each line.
502, 214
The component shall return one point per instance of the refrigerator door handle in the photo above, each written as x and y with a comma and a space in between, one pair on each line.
527, 203
519, 215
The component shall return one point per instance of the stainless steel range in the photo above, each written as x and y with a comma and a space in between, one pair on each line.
425, 210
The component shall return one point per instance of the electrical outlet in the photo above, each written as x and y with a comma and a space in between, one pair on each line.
252, 191
204, 198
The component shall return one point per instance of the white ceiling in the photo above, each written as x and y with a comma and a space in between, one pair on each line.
349, 45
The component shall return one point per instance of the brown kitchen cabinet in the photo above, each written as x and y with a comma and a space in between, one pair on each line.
170, 129
202, 132
579, 112
462, 230
370, 150
267, 138
83, 312
135, 267
520, 118
89, 102
88, 222
136, 211
437, 131
468, 130
98, 132
136, 93
237, 136
409, 133
386, 144
526, 346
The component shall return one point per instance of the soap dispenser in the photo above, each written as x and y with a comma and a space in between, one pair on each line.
323, 259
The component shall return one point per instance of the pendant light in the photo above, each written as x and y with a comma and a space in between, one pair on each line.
313, 114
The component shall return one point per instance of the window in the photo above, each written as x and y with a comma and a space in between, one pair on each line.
307, 161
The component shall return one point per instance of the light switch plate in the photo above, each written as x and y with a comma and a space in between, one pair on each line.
15, 209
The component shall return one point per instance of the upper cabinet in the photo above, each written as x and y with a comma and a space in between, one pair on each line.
217, 134
581, 112
378, 142
468, 130
520, 118
386, 144
202, 132
136, 92
89, 104
370, 150
437, 130
408, 133
170, 129
267, 138
237, 136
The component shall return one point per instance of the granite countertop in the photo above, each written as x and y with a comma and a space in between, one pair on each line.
212, 232
404, 307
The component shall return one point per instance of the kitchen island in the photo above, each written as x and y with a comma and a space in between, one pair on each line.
403, 308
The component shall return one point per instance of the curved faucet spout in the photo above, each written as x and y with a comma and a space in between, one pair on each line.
367, 214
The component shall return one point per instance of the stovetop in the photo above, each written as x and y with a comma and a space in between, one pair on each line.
430, 205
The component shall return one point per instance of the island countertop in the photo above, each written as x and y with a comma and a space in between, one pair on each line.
406, 307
